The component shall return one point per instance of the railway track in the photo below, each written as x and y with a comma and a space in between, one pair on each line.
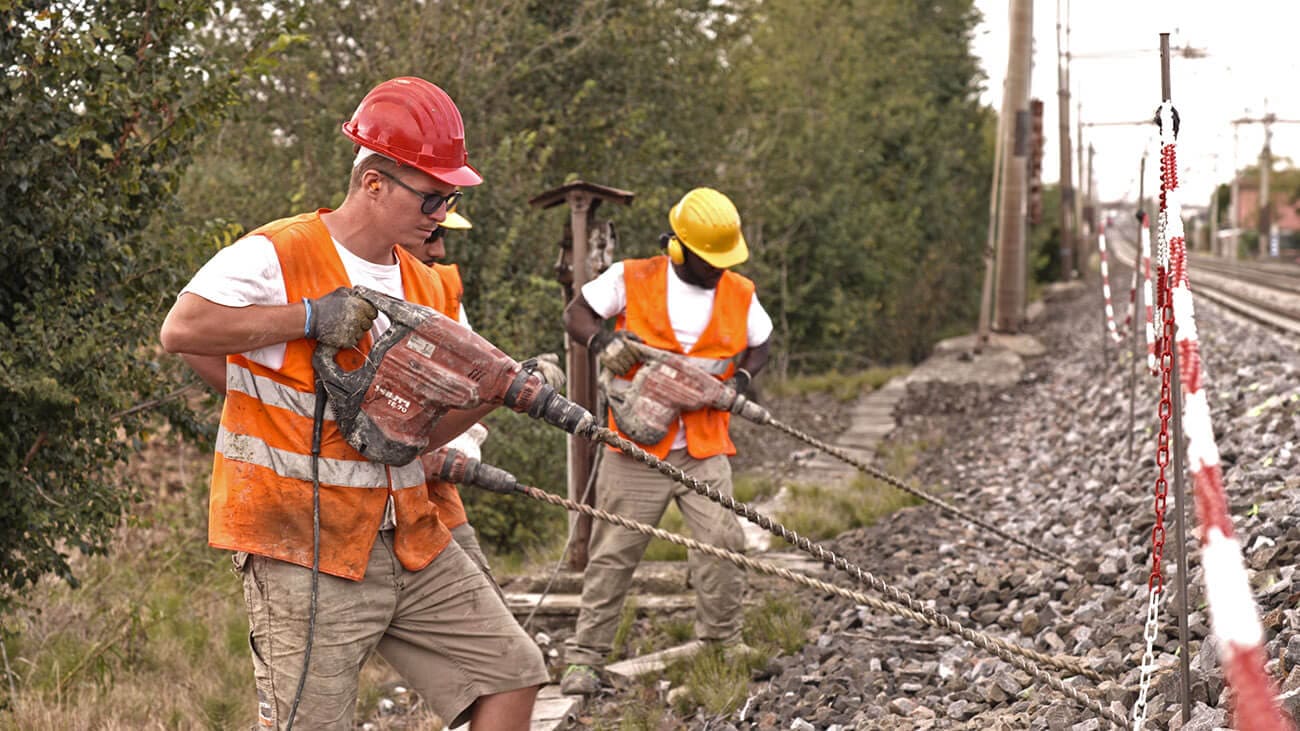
1265, 292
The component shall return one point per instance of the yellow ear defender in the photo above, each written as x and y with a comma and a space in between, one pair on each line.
675, 254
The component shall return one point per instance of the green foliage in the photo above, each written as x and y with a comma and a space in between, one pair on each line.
866, 175
1045, 239
819, 511
843, 386
749, 486
859, 163
778, 623
100, 106
155, 633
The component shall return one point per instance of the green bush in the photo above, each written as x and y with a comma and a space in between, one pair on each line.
101, 106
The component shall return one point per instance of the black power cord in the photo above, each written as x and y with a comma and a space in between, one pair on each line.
318, 422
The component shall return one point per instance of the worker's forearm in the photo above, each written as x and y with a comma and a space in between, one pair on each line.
201, 327
755, 358
580, 321
211, 368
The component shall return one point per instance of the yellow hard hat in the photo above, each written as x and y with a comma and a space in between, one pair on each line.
456, 222
707, 223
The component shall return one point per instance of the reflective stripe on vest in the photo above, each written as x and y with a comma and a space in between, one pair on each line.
712, 366
261, 479
339, 472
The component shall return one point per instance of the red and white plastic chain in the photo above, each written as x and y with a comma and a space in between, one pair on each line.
1234, 616
1105, 287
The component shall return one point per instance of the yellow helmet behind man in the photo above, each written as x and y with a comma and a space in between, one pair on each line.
707, 223
456, 222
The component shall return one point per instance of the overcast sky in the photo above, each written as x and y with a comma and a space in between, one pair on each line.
1250, 67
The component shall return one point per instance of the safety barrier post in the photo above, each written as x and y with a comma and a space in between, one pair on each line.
1233, 613
1109, 331
1168, 186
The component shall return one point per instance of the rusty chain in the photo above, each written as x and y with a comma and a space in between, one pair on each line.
1029, 661
1165, 345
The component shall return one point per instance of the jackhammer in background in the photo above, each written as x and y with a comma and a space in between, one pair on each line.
668, 384
456, 467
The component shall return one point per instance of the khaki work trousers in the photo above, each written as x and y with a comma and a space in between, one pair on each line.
639, 493
444, 629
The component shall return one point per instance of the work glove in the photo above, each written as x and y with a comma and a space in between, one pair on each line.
339, 319
739, 381
615, 354
547, 365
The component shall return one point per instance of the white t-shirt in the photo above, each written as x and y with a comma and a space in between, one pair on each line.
689, 310
689, 307
248, 273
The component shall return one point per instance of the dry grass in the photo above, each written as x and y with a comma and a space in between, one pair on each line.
820, 512
156, 636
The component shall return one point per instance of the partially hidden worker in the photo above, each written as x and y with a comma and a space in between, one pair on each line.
445, 495
392, 580
686, 301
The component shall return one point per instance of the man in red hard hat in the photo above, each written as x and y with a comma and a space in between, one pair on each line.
391, 579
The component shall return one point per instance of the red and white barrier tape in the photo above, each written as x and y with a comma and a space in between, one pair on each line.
1105, 288
1234, 615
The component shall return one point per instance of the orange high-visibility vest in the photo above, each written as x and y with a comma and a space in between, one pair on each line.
445, 495
453, 290
726, 336
261, 476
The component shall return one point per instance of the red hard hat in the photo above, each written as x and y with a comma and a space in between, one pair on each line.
417, 124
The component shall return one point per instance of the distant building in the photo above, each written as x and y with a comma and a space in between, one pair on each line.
1286, 212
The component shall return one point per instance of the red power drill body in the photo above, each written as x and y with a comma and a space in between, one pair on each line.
424, 365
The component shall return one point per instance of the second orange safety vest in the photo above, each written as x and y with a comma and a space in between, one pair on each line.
726, 336
445, 495
261, 499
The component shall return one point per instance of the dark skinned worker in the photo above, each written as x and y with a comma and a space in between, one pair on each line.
685, 301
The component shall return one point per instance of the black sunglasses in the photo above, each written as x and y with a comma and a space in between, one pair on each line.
432, 201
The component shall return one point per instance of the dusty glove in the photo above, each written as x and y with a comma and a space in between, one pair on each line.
739, 381
339, 319
547, 365
615, 354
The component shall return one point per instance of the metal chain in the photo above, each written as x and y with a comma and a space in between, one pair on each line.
608, 436
1165, 348
1148, 660
939, 502
1027, 660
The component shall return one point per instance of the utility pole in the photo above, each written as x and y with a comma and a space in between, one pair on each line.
1213, 242
1068, 265
1080, 223
1265, 204
1089, 201
1011, 260
1265, 223
1234, 218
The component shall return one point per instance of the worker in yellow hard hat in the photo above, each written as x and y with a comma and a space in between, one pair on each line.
434, 247
686, 301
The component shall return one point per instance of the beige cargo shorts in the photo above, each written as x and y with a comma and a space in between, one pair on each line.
444, 628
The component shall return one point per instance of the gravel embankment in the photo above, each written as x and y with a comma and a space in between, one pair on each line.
1047, 460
